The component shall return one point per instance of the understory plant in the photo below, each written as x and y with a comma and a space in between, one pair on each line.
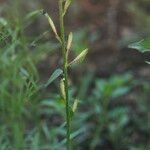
18, 77
142, 46
112, 120
66, 44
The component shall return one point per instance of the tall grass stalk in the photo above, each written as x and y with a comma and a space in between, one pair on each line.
65, 70
65, 49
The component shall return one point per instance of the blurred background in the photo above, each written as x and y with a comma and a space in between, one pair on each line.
112, 84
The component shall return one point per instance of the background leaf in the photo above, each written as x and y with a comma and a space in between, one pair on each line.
54, 76
142, 46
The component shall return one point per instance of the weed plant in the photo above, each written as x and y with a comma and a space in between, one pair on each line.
18, 78
65, 49
19, 88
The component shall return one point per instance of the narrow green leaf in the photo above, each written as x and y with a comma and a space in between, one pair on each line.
148, 62
54, 76
33, 14
24, 72
142, 46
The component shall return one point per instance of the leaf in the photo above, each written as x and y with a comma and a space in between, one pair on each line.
79, 58
3, 22
120, 91
148, 62
54, 76
24, 72
142, 46
33, 14
82, 130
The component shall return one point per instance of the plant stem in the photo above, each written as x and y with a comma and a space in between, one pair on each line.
65, 70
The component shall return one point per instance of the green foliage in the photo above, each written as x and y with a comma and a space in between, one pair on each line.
114, 119
18, 83
54, 76
142, 46
20, 88
112, 88
102, 111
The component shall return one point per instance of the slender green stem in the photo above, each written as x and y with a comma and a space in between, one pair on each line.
65, 70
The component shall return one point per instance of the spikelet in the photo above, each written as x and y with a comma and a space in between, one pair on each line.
52, 25
79, 58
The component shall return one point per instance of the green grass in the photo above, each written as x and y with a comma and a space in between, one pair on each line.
32, 112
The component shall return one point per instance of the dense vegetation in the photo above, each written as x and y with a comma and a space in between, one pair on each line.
113, 106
